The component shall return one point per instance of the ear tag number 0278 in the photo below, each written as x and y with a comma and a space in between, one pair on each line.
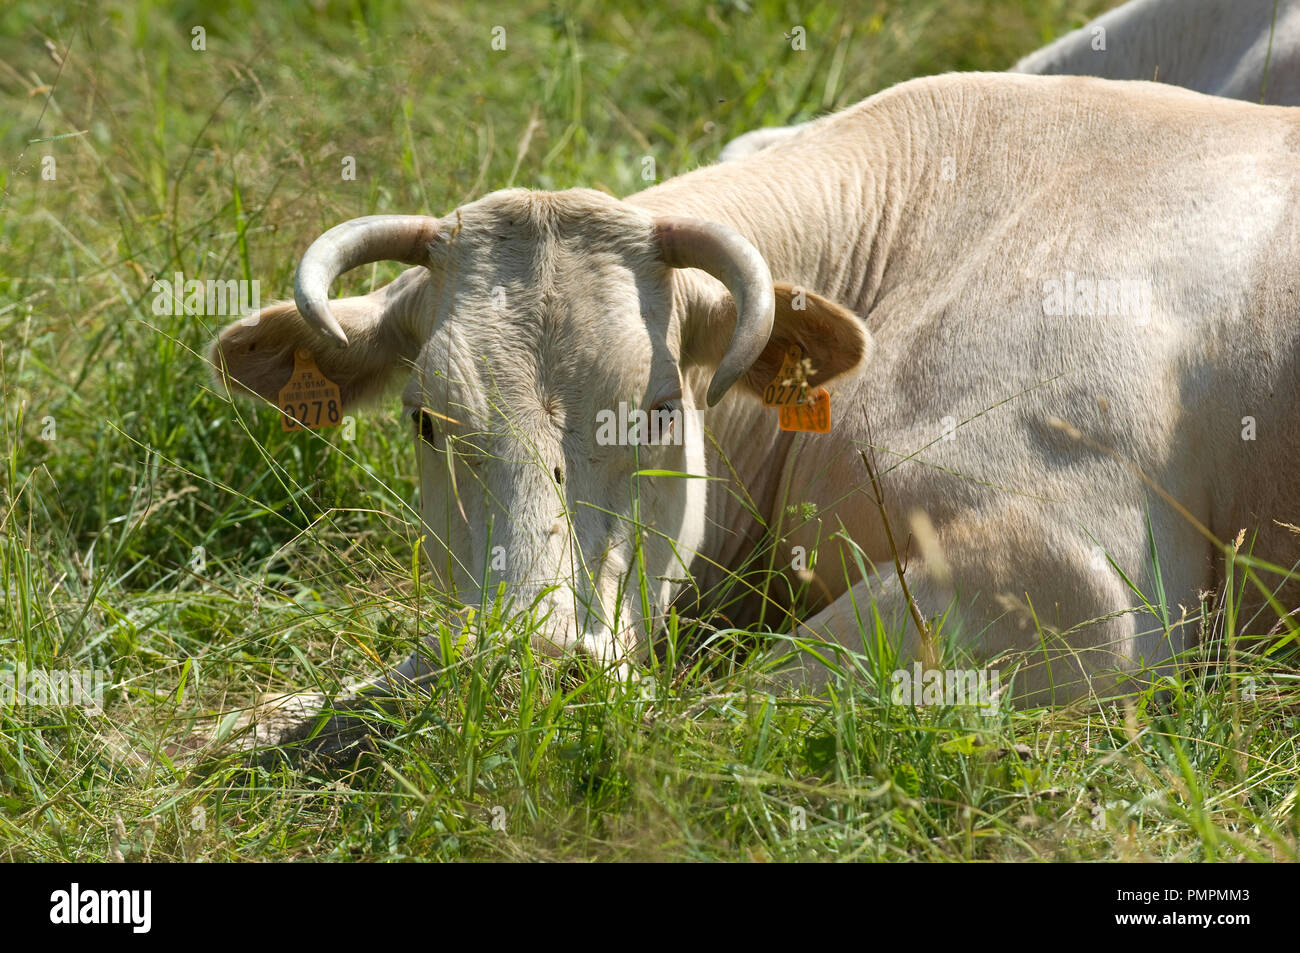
799, 406
310, 399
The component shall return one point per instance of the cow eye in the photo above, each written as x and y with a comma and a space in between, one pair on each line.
424, 427
663, 425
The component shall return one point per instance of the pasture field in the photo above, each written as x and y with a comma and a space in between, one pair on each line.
195, 556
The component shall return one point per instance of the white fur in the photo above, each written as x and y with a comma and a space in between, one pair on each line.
1227, 48
942, 212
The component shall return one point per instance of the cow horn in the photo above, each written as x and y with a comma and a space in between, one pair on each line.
728, 256
359, 241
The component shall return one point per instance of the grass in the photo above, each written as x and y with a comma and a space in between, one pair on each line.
198, 555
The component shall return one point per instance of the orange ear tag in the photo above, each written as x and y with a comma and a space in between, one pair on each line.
310, 399
800, 408
811, 416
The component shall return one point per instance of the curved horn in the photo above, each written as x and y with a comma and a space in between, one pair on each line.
728, 256
359, 241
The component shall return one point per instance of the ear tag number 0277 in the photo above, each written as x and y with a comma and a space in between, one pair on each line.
799, 407
310, 399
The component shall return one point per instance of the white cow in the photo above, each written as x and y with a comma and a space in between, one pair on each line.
1242, 49
1064, 313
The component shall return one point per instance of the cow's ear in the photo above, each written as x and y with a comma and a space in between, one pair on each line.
833, 338
255, 355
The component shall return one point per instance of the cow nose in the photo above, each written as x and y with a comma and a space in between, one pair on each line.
560, 635
556, 630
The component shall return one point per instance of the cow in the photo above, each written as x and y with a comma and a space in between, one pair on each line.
1057, 319
1242, 49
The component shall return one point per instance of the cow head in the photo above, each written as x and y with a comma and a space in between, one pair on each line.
557, 355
